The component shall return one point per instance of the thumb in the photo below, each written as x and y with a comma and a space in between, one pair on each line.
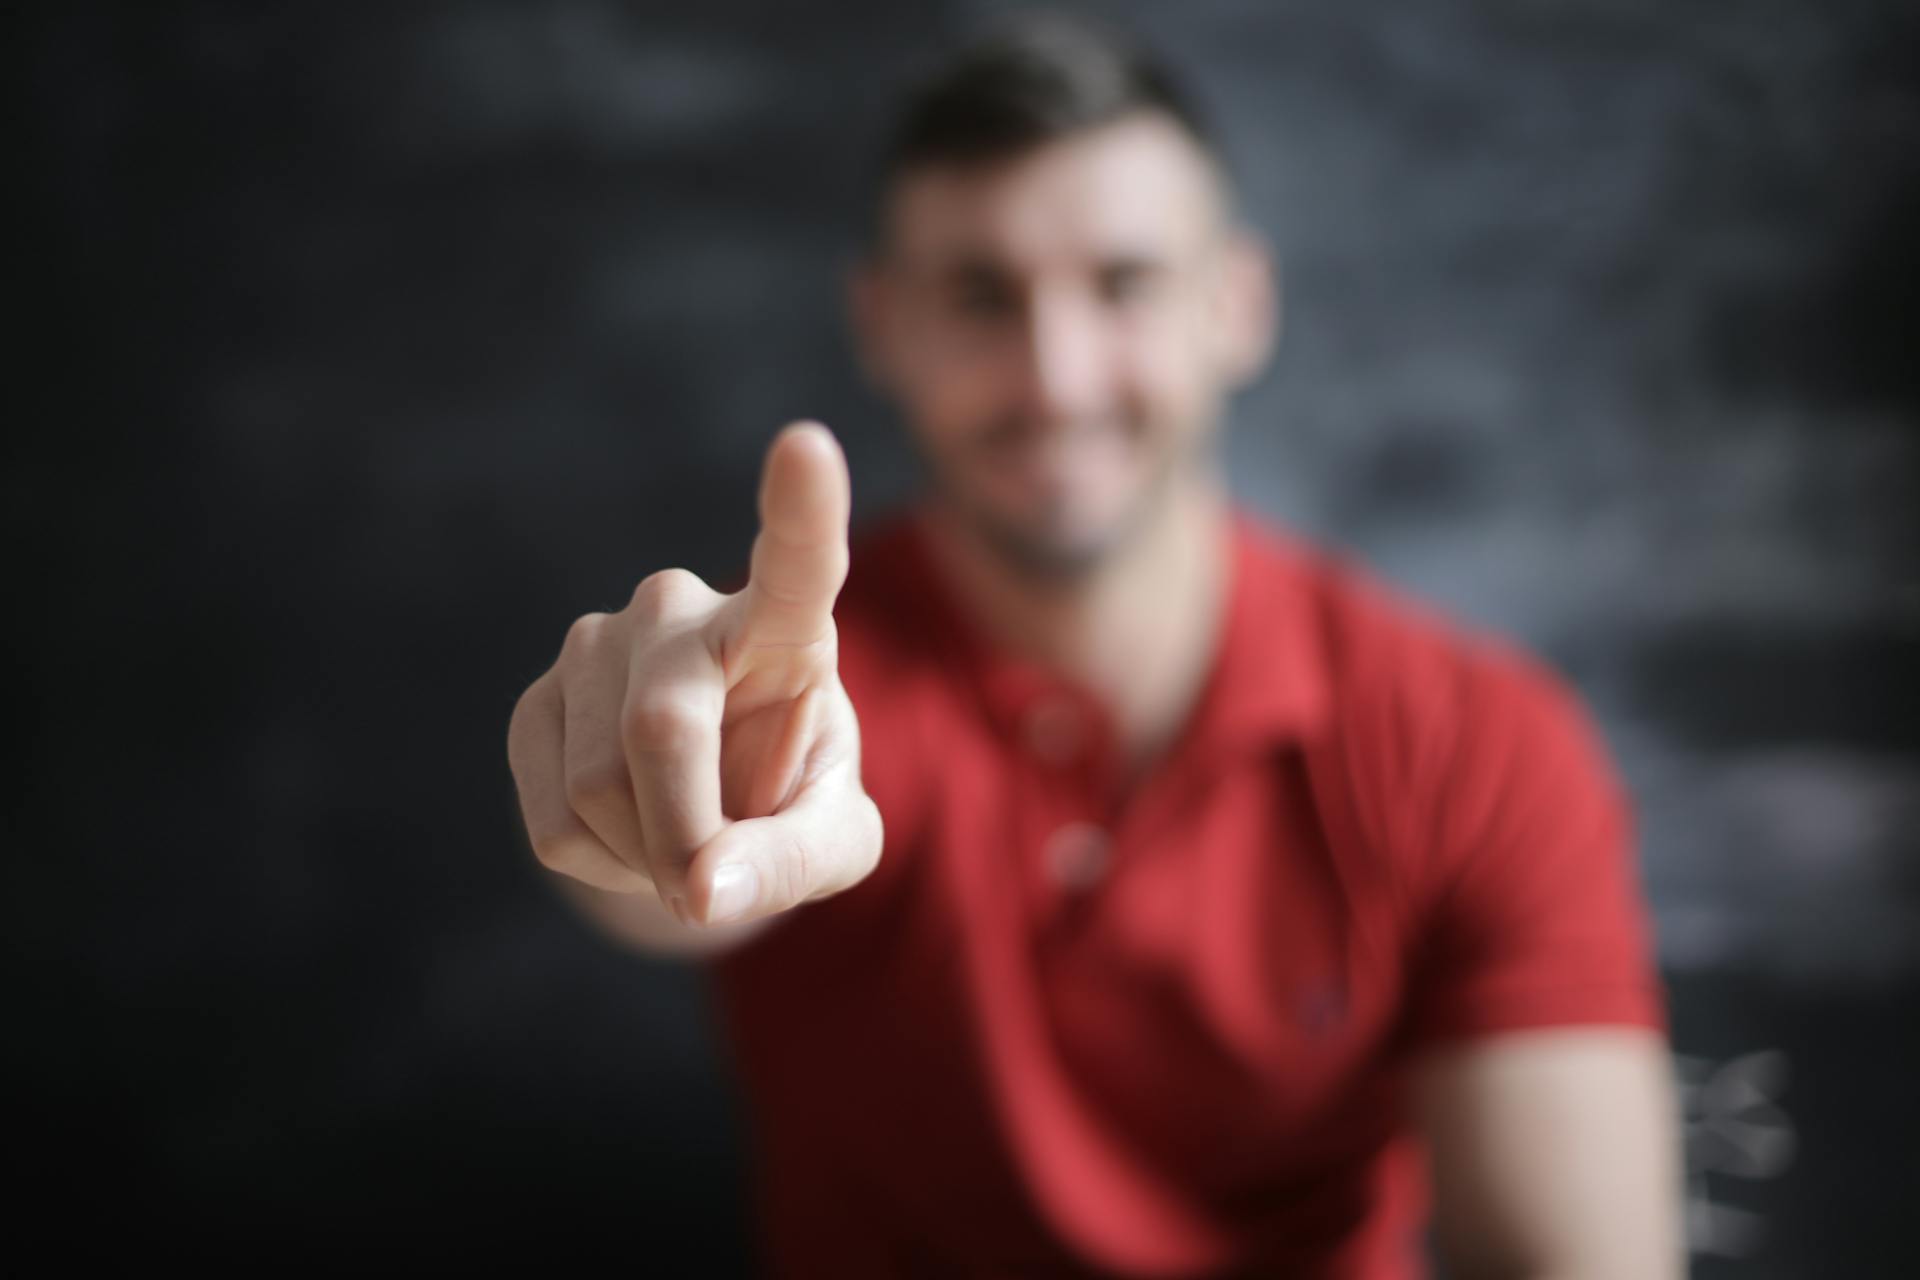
827, 840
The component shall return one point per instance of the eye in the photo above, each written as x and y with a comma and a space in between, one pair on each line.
984, 299
1127, 282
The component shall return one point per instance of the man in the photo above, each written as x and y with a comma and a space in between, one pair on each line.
1106, 881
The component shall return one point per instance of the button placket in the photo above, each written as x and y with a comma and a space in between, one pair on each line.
1076, 856
1068, 847
1055, 729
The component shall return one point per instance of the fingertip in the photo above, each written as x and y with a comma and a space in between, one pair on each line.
805, 485
808, 436
812, 428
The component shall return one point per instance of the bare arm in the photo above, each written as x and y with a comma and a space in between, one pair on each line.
1555, 1154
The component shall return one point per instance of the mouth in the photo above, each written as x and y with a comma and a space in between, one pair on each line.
1055, 463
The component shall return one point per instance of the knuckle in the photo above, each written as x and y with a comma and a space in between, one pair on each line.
827, 644
583, 633
517, 726
666, 592
598, 785
793, 871
554, 852
662, 719
522, 703
782, 590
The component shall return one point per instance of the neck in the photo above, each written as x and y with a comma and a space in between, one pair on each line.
1139, 630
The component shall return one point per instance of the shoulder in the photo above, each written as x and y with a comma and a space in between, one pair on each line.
1436, 722
1392, 653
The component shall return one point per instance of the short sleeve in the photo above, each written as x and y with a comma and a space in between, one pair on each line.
1533, 914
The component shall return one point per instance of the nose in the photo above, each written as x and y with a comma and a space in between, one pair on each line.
1066, 361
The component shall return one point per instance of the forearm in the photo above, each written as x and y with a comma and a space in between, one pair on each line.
642, 922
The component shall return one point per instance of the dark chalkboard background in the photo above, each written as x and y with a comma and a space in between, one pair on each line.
366, 348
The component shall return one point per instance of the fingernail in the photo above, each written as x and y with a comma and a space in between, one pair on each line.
734, 887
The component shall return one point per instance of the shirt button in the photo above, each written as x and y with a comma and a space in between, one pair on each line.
1054, 729
1076, 855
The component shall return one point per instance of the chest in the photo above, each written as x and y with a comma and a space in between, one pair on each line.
1207, 957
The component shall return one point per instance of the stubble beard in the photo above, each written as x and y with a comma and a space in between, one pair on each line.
1058, 562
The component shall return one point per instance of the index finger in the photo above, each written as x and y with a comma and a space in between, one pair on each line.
800, 554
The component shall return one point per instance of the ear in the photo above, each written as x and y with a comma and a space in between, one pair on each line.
868, 317
1250, 315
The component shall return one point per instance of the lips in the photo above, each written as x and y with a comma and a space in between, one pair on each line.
1085, 470
1055, 449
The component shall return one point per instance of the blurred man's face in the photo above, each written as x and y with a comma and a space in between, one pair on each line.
1061, 330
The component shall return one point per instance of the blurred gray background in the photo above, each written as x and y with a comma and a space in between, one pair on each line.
365, 348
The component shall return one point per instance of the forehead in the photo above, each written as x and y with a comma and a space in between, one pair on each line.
1138, 186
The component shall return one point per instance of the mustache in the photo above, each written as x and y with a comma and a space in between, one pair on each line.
1018, 429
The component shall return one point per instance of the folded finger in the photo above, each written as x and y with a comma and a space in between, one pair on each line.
676, 694
560, 840
826, 841
593, 688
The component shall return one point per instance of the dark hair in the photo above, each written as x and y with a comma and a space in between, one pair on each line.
1031, 79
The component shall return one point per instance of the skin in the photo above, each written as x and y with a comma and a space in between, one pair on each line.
690, 765
1061, 331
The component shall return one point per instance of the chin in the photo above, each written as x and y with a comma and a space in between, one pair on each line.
1058, 528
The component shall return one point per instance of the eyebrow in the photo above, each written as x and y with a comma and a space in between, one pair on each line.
969, 268
1131, 263
978, 268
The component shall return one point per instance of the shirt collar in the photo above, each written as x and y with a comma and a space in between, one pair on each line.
1267, 684
1270, 680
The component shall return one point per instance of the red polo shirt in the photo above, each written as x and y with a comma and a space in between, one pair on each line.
1066, 1028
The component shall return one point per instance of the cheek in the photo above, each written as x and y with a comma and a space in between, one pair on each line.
1172, 373
957, 379
951, 391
